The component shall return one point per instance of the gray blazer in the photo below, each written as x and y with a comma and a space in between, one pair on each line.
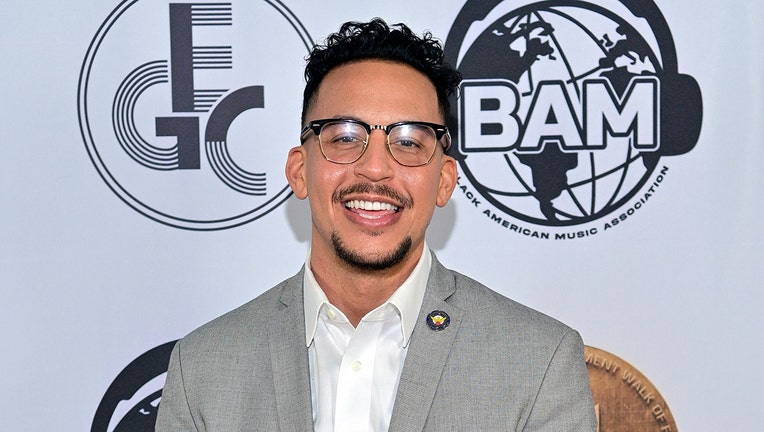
498, 366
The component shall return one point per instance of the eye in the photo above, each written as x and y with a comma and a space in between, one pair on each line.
343, 134
412, 138
345, 139
406, 143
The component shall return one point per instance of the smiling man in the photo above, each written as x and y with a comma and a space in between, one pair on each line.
373, 333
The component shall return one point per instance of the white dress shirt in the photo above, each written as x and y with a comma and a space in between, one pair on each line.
354, 372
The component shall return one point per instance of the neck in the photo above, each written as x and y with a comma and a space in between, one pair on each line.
356, 292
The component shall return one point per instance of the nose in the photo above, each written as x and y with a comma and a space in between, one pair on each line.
376, 163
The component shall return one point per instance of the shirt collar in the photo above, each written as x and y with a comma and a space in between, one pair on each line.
407, 299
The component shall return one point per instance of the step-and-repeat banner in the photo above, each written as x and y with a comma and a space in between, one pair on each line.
611, 172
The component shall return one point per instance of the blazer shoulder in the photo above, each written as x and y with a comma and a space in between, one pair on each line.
248, 319
485, 307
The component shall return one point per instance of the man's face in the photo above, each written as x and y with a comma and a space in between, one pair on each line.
402, 198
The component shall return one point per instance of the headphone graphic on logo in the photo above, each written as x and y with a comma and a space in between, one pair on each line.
681, 101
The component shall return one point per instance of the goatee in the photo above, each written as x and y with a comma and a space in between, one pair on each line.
362, 262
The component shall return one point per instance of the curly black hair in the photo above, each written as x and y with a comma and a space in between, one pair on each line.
376, 40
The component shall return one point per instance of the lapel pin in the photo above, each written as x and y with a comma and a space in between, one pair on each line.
438, 320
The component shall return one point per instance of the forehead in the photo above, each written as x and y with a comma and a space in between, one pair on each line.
376, 91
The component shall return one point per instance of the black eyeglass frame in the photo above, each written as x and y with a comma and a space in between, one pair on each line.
315, 126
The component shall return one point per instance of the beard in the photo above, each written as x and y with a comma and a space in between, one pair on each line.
366, 263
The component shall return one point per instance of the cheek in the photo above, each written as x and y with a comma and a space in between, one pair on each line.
322, 181
423, 187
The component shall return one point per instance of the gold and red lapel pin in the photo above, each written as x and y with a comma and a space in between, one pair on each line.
438, 320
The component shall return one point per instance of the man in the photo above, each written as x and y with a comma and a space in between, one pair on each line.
374, 333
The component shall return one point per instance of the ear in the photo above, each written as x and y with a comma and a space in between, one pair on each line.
295, 171
448, 176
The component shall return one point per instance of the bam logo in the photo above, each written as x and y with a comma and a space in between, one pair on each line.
567, 110
180, 107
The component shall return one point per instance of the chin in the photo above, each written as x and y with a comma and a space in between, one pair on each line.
367, 262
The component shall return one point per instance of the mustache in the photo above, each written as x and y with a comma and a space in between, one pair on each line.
368, 188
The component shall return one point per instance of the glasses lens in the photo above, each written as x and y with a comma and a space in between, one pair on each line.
412, 144
342, 141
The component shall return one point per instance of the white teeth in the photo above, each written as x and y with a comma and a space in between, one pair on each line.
370, 205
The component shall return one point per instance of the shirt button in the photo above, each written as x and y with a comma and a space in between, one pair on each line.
356, 365
330, 313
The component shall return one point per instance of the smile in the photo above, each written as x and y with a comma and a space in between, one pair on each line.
370, 205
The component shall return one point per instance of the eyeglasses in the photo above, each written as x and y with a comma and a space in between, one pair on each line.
411, 143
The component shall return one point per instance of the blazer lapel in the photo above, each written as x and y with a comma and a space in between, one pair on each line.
289, 361
427, 354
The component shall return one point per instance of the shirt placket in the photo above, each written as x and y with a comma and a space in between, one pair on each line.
356, 378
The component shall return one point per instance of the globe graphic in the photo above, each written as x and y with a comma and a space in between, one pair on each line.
569, 43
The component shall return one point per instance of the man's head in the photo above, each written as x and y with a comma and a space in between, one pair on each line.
371, 199
376, 40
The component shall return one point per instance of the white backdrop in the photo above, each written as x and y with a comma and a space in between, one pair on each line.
87, 283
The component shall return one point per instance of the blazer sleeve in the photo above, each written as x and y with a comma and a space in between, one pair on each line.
174, 412
564, 401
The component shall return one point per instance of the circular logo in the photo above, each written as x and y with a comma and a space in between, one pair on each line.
184, 108
624, 399
132, 400
564, 105
438, 320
